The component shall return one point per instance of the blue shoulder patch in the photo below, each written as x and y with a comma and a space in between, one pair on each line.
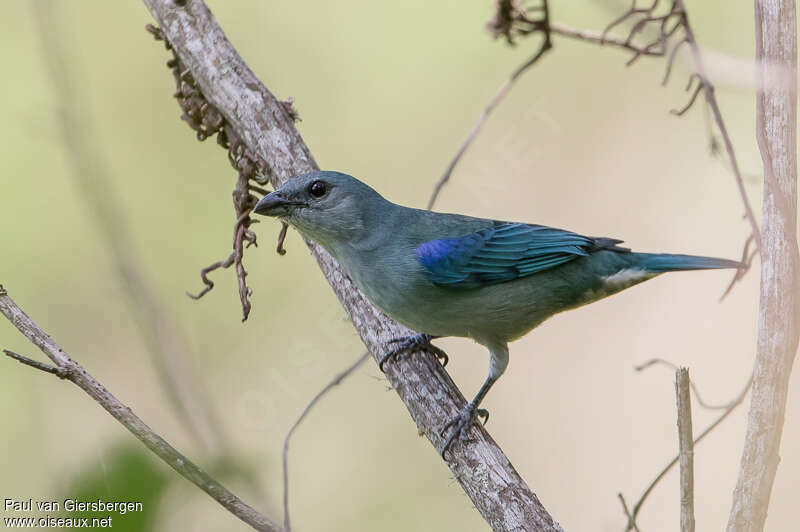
501, 253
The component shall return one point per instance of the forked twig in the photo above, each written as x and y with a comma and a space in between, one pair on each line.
682, 111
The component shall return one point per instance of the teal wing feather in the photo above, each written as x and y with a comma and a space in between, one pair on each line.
503, 252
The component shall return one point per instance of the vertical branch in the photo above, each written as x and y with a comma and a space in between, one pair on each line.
778, 327
686, 448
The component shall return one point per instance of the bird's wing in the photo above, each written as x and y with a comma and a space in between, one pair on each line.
503, 252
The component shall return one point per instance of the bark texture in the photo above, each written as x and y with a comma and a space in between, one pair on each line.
263, 123
778, 328
685, 447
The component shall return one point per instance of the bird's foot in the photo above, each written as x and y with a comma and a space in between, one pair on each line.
461, 425
415, 342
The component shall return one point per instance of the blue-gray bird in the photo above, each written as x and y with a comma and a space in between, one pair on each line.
453, 275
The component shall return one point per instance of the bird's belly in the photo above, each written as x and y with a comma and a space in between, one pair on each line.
495, 313
499, 312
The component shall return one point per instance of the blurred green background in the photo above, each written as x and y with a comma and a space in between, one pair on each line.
386, 91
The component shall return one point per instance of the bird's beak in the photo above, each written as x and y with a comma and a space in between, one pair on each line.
273, 204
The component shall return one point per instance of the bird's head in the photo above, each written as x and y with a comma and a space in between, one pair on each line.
327, 206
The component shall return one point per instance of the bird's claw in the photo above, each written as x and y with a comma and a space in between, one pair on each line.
415, 342
461, 425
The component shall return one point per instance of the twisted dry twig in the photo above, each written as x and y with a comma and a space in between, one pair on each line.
206, 121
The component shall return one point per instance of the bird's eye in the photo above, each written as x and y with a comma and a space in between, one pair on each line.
317, 189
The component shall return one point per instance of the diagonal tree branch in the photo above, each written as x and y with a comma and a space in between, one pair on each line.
267, 129
66, 368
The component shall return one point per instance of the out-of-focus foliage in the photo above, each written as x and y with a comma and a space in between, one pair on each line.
128, 473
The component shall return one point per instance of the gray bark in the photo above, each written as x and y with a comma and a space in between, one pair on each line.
778, 328
686, 448
486, 475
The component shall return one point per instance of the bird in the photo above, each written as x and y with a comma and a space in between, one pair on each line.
444, 274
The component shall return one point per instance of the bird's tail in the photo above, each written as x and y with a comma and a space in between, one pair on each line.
665, 262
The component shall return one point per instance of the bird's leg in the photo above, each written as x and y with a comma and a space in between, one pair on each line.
415, 342
463, 421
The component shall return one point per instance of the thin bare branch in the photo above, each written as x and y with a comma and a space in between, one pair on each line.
686, 448
682, 111
632, 12
287, 526
598, 38
747, 260
76, 374
671, 62
495, 101
41, 366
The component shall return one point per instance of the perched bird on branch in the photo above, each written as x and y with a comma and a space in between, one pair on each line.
452, 275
